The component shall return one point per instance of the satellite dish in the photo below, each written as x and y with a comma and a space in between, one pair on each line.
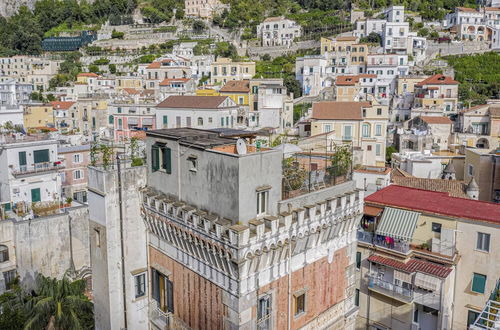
241, 147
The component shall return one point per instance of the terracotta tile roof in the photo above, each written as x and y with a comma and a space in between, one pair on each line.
339, 110
192, 102
477, 107
412, 266
169, 81
131, 91
157, 65
436, 120
492, 8
400, 172
454, 188
346, 80
372, 210
240, 86
435, 203
467, 9
64, 105
274, 19
437, 79
88, 74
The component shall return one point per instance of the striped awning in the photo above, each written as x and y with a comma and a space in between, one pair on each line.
397, 223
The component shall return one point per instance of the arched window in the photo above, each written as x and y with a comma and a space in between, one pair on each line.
4, 253
200, 121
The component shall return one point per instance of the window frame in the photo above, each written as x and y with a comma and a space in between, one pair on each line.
474, 275
480, 239
140, 287
299, 296
4, 253
262, 208
80, 175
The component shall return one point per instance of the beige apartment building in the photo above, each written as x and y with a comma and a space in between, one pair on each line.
224, 70
364, 124
345, 54
437, 92
203, 8
425, 260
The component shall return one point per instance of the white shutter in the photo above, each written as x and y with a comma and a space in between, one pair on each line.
427, 282
403, 277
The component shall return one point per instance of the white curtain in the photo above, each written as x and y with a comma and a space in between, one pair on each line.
403, 277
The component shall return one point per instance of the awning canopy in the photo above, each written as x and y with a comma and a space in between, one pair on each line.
132, 121
372, 210
427, 282
397, 223
147, 121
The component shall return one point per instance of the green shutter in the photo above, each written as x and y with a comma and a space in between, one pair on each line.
155, 158
22, 158
165, 120
41, 156
167, 160
35, 195
111, 120
478, 283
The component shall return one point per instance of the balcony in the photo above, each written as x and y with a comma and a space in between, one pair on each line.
368, 237
164, 320
25, 170
389, 289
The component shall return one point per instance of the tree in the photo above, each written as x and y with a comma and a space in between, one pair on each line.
341, 160
117, 35
112, 68
93, 68
388, 153
372, 38
198, 26
266, 57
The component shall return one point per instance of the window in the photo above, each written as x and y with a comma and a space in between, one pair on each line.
210, 120
200, 121
241, 100
41, 156
77, 158
471, 318
264, 313
77, 174
192, 163
4, 253
356, 298
119, 110
379, 111
36, 195
222, 122
262, 197
366, 130
140, 285
120, 123
9, 277
155, 158
162, 291
378, 130
478, 283
165, 121
483, 242
347, 133
166, 159
327, 128
369, 147
415, 314
436, 227
358, 260
378, 150
300, 303
97, 234
111, 120
22, 158
470, 170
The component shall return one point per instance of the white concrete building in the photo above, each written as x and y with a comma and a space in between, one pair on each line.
204, 112
278, 31
29, 171
312, 74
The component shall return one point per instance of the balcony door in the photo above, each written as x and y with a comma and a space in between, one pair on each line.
163, 291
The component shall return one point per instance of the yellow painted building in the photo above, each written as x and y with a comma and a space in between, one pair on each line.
85, 77
224, 70
407, 84
207, 92
344, 51
237, 90
128, 82
40, 115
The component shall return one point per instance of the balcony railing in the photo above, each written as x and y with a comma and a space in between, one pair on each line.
165, 320
37, 168
368, 237
390, 289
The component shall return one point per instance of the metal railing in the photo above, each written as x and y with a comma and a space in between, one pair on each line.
369, 238
37, 168
390, 288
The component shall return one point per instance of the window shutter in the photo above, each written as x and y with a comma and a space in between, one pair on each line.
111, 120
155, 158
41, 156
167, 160
478, 283
170, 295
156, 286
22, 158
165, 120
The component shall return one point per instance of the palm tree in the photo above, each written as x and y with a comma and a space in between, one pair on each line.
59, 304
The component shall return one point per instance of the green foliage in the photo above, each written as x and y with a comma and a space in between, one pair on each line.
163, 29
144, 59
162, 10
372, 38
341, 160
117, 35
294, 175
93, 68
68, 70
299, 110
226, 49
388, 152
101, 61
479, 76
199, 26
423, 32
59, 304
112, 68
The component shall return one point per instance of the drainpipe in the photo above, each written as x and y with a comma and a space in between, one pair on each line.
290, 284
120, 201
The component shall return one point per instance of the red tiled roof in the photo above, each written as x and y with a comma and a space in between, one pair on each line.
157, 65
454, 187
169, 81
351, 80
467, 9
64, 105
372, 210
436, 203
131, 91
192, 102
88, 74
437, 79
414, 265
339, 110
241, 86
492, 8
436, 120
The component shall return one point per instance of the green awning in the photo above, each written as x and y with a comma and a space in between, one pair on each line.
397, 223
